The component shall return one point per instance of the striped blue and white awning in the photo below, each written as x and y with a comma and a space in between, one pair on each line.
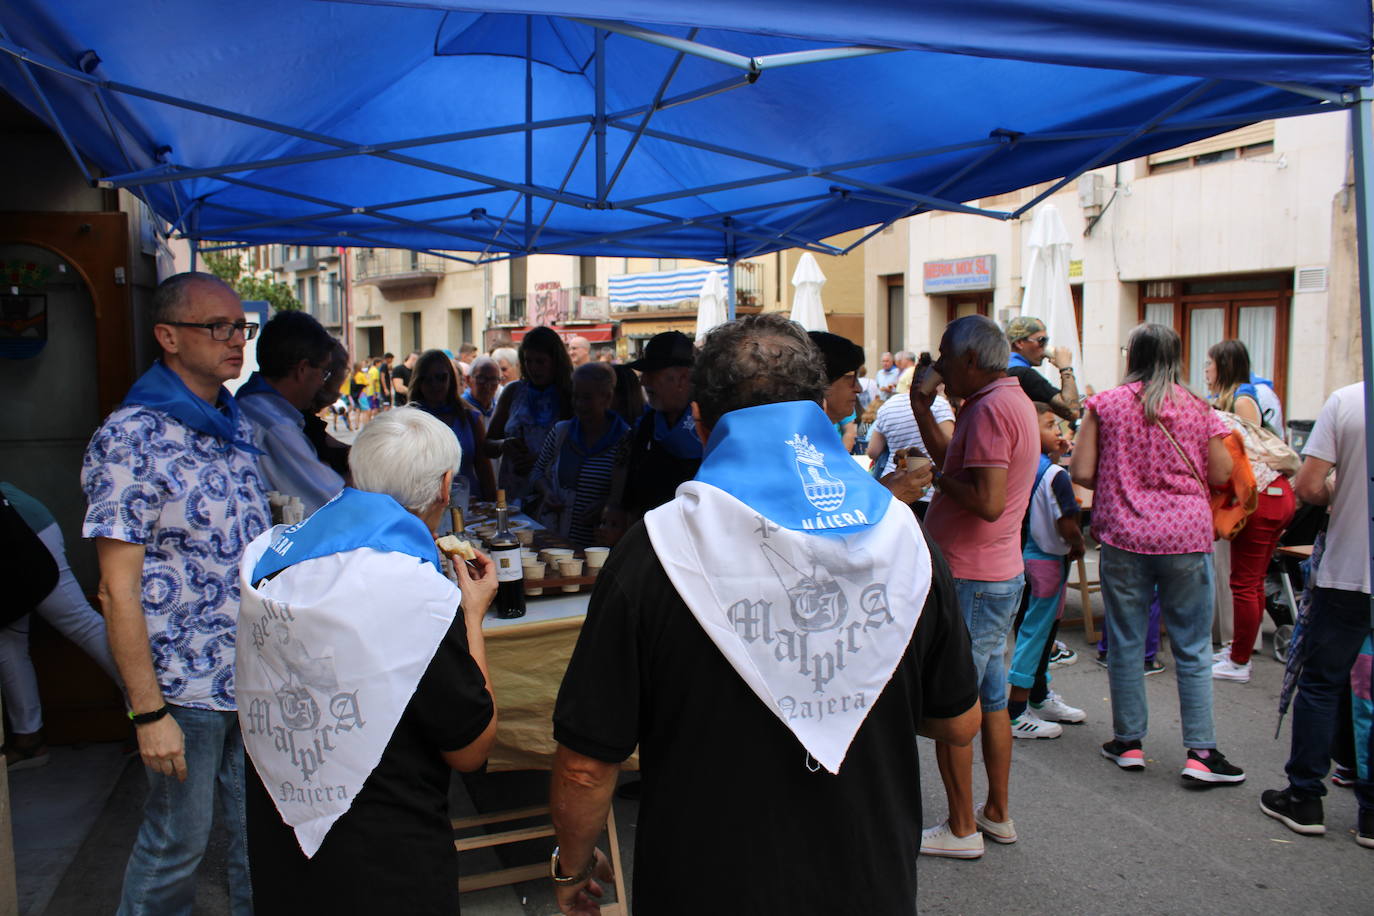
661, 289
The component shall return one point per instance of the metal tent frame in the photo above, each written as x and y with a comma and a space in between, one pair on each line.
744, 231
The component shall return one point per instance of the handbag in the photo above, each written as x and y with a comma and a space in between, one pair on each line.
1233, 504
29, 568
1269, 449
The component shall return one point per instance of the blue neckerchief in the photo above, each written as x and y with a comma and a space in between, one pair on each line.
162, 389
839, 427
256, 384
541, 404
681, 441
351, 520
1016, 359
786, 462
574, 452
484, 411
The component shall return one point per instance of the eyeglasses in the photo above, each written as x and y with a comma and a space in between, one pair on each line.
221, 330
1042, 340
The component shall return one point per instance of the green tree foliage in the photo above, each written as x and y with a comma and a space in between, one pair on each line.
228, 266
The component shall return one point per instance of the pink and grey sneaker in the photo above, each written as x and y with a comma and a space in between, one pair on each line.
1211, 768
1125, 754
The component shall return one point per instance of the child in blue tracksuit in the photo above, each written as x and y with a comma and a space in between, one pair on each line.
1054, 541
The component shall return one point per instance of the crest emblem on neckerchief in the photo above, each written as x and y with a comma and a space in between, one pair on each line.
822, 489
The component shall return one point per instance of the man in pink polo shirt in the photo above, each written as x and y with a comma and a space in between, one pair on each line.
986, 471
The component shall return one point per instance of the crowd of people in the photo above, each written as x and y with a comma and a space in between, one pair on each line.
766, 593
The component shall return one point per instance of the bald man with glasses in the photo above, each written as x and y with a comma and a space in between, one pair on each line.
173, 495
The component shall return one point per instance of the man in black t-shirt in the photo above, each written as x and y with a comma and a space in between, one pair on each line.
400, 378
1029, 348
737, 815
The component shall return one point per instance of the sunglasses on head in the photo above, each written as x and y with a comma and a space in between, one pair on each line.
1041, 340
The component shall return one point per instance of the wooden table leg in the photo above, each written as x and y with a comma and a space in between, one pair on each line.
1085, 595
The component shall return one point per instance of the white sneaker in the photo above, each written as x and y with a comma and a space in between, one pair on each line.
1227, 670
1029, 725
1223, 652
1054, 709
941, 841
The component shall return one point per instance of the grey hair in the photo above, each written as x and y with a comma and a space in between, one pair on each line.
597, 372
979, 335
481, 363
506, 354
1154, 357
758, 359
173, 295
904, 354
404, 454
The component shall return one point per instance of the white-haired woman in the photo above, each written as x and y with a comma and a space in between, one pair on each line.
360, 684
1146, 447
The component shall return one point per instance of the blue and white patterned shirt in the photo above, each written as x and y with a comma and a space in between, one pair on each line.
194, 502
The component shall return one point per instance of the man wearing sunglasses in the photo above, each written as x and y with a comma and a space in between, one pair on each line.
294, 364
173, 496
1029, 348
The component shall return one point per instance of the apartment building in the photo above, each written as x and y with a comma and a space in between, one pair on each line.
1249, 235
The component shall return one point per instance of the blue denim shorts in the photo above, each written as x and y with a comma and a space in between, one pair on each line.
988, 609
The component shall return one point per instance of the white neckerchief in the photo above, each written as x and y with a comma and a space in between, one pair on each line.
815, 624
329, 654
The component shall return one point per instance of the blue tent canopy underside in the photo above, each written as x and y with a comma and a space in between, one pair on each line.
401, 126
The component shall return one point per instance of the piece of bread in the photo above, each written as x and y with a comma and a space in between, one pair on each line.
455, 547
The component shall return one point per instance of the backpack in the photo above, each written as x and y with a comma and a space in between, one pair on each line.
29, 568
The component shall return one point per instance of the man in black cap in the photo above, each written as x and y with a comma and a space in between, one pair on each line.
664, 449
842, 361
843, 358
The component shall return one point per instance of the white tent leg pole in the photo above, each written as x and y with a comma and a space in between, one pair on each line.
730, 290
1362, 132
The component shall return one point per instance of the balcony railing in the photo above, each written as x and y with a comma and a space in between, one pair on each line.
506, 309
380, 265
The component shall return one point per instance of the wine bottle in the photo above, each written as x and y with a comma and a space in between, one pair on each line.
510, 574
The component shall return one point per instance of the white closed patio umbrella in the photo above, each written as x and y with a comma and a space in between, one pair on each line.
1047, 295
710, 305
807, 310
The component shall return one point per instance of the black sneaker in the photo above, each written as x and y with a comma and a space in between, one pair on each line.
1215, 769
1153, 666
1101, 659
1366, 835
1125, 754
1300, 815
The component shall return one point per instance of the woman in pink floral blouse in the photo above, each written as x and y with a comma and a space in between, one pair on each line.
1151, 515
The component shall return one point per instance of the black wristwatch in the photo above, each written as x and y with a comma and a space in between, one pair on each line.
147, 718
578, 878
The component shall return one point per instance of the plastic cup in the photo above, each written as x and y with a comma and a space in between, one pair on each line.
596, 556
552, 555
534, 569
929, 382
916, 462
567, 568
525, 536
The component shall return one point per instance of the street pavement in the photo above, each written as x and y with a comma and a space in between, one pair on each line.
1093, 838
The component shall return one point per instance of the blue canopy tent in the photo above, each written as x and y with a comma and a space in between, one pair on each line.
716, 129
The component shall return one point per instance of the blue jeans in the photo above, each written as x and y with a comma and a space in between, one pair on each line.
160, 879
1184, 581
988, 609
1335, 631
